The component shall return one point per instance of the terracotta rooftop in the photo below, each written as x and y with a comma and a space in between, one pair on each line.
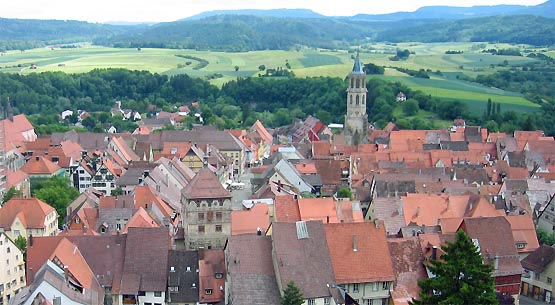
286, 209
211, 262
205, 185
31, 212
39, 165
408, 265
249, 221
524, 232
349, 243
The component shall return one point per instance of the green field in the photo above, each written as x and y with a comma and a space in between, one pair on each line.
305, 63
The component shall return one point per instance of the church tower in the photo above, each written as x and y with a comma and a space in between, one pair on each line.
356, 119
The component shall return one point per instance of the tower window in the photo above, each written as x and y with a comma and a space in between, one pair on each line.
358, 83
357, 100
352, 83
351, 96
363, 99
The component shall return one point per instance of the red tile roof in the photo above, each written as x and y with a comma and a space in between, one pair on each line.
350, 243
249, 221
286, 209
140, 219
408, 265
40, 166
205, 185
261, 130
210, 263
30, 211
15, 178
524, 232
69, 256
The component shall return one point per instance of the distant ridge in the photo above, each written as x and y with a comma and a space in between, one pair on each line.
546, 9
276, 13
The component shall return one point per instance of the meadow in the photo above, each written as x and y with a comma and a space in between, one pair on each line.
304, 63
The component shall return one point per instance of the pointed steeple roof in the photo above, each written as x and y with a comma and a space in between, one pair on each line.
205, 185
358, 67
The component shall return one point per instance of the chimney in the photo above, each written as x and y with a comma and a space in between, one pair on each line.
9, 110
434, 252
355, 243
57, 301
37, 158
377, 223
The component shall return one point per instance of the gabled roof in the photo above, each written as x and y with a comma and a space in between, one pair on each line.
30, 211
182, 273
305, 261
408, 265
351, 243
68, 255
39, 165
205, 185
262, 132
286, 209
14, 178
145, 198
210, 263
498, 242
253, 280
140, 219
538, 260
249, 221
524, 232
145, 270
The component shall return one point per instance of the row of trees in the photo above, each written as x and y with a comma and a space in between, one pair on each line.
239, 103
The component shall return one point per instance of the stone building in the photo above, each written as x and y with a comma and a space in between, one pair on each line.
356, 119
207, 211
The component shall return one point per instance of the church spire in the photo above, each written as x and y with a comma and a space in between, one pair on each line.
358, 68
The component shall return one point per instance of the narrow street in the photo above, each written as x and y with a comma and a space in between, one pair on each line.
239, 195
529, 301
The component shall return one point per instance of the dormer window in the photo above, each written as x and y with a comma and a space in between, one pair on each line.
219, 275
521, 245
208, 291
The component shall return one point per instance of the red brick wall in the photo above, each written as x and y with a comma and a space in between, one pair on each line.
509, 284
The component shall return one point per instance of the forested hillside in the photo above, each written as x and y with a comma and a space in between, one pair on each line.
21, 34
511, 29
245, 33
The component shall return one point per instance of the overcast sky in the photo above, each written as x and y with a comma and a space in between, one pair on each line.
170, 10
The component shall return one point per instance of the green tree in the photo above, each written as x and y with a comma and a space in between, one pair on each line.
262, 67
292, 295
21, 243
57, 192
89, 123
461, 277
12, 192
236, 68
410, 107
344, 192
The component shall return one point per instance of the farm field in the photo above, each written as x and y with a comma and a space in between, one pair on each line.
304, 63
